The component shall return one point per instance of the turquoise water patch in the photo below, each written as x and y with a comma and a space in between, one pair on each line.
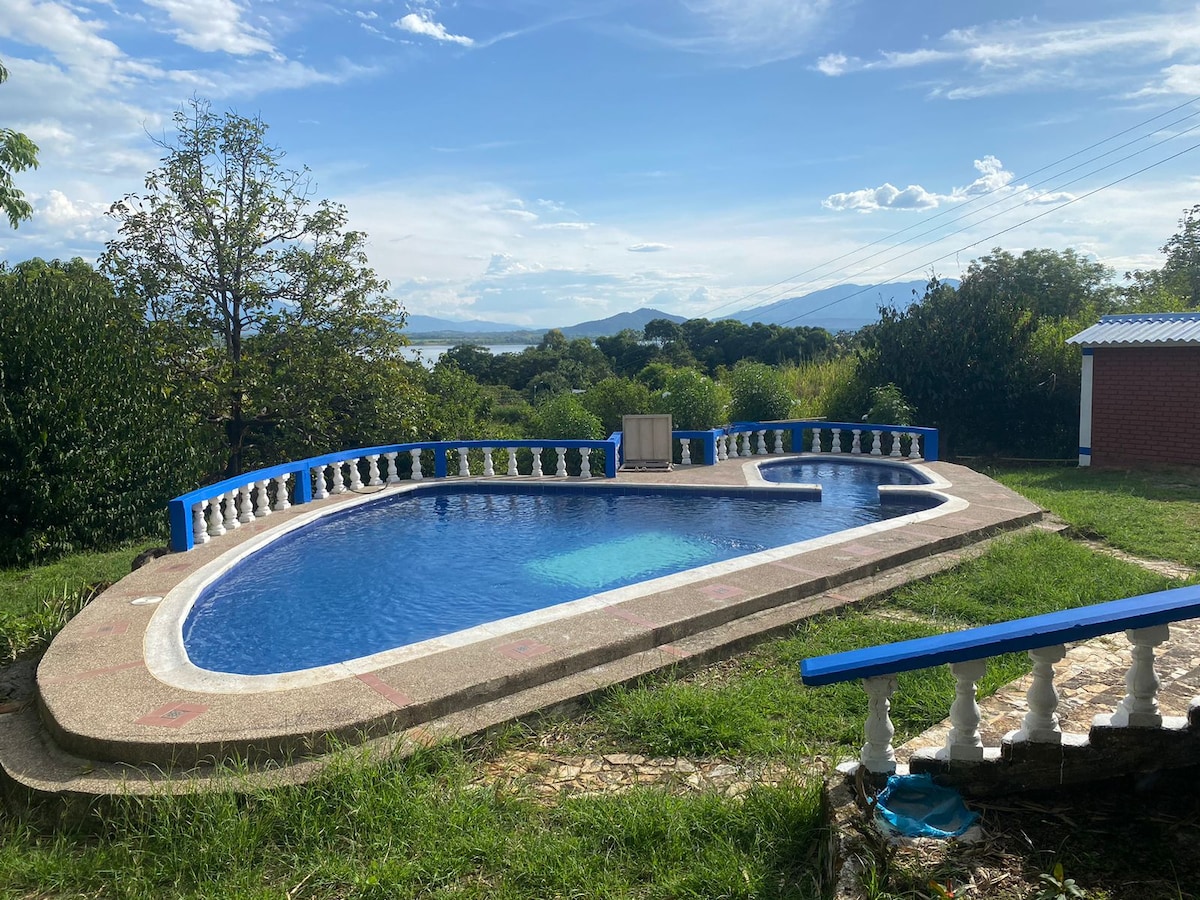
596, 566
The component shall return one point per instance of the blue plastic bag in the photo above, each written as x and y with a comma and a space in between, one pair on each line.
912, 805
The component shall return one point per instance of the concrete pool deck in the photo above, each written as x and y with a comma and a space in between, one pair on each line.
103, 722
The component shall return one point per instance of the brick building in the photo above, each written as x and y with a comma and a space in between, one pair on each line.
1140, 393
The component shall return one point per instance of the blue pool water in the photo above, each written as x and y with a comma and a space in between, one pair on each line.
431, 562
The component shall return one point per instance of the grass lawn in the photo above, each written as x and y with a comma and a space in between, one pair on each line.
420, 827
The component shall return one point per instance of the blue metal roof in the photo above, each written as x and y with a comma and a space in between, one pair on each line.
1142, 329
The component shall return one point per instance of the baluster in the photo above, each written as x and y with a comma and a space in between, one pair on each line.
876, 446
537, 462
856, 443
1139, 709
877, 754
489, 469
731, 451
393, 476
963, 741
512, 461
747, 450
762, 443
1041, 722
355, 476
216, 521
895, 454
320, 493
245, 504
339, 481
778, 432
464, 461
231, 511
262, 503
415, 455
836, 446
914, 450
685, 451
816, 441
560, 470
585, 462
281, 493
199, 526
373, 479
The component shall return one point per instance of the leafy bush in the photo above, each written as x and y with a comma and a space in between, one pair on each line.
758, 393
611, 399
694, 400
564, 416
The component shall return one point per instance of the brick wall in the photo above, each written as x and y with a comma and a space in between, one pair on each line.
1146, 405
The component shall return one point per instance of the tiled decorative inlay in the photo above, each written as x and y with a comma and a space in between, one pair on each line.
108, 629
523, 649
674, 651
385, 690
721, 591
173, 715
629, 616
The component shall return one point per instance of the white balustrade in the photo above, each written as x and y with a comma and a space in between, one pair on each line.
339, 481
373, 479
1041, 722
914, 448
816, 440
746, 448
964, 740
685, 451
512, 461
415, 455
878, 754
199, 525
488, 467
762, 443
585, 463
356, 482
836, 446
895, 454
262, 503
1139, 709
560, 470
856, 442
245, 505
778, 432
231, 512
216, 521
876, 443
281, 492
537, 462
731, 442
393, 474
464, 462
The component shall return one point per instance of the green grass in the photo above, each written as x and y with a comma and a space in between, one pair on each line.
1153, 513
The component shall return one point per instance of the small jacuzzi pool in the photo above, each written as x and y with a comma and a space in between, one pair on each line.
415, 566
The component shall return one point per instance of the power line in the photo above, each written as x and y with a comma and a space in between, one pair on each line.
797, 276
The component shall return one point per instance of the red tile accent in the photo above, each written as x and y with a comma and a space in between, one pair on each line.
721, 591
109, 629
674, 651
629, 616
173, 715
385, 690
523, 649
94, 673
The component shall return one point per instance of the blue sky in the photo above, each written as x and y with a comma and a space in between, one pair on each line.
545, 162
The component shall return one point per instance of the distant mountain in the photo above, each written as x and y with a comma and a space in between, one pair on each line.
421, 324
604, 327
844, 307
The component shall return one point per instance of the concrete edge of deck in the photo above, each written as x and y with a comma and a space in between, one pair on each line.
104, 724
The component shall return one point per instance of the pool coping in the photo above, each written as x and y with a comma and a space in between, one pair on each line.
98, 700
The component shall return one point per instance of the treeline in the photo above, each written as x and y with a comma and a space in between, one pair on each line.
233, 323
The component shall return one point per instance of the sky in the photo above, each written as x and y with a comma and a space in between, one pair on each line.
546, 162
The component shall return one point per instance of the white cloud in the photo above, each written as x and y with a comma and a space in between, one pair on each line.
648, 248
834, 64
992, 177
213, 25
422, 23
748, 32
1178, 79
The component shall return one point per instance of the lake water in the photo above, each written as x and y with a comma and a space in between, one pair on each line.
429, 353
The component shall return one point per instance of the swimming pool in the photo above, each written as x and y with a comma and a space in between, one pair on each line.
415, 566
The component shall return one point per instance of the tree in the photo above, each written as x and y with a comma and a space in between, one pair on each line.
93, 440
612, 399
234, 264
758, 393
17, 153
1176, 286
694, 400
